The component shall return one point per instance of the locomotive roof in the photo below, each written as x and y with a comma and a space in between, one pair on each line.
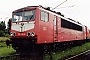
61, 15
48, 9
25, 8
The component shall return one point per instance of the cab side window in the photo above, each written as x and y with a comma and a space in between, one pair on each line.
44, 16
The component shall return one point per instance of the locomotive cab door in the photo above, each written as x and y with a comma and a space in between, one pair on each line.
55, 29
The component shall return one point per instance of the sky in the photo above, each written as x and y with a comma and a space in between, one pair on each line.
79, 12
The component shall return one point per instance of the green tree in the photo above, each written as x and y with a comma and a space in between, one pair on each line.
2, 28
9, 25
2, 33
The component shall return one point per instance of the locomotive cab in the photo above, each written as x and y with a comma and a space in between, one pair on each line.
23, 33
22, 22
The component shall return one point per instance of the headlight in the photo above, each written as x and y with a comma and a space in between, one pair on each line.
32, 34
12, 34
28, 34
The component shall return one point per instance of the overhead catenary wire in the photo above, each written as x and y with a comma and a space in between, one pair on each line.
59, 4
52, 3
67, 6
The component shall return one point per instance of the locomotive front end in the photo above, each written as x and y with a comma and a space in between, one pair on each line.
23, 24
23, 34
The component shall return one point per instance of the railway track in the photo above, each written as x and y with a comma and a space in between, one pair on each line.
81, 56
10, 57
20, 57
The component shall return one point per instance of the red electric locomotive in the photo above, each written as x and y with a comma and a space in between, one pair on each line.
35, 28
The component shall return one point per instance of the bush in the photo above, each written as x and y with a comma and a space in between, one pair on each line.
7, 35
2, 33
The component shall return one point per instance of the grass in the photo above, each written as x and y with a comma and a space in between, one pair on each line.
3, 39
6, 51
2, 44
69, 52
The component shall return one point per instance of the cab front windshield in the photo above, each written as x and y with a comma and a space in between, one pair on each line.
24, 16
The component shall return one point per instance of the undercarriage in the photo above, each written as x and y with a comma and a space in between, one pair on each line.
29, 47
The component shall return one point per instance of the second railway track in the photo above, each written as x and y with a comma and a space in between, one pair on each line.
80, 56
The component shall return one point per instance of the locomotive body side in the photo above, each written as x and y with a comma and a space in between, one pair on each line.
53, 30
46, 28
70, 31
